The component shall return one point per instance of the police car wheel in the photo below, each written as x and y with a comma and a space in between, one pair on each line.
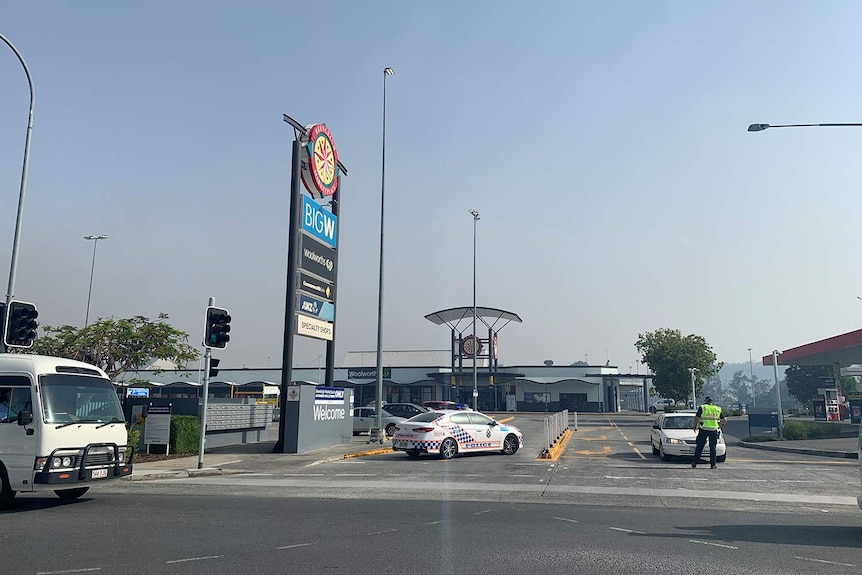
510, 444
449, 448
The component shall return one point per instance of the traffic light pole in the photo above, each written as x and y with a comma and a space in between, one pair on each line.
207, 358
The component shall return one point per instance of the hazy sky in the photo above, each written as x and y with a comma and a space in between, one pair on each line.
603, 143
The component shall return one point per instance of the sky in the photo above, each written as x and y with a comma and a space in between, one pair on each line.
603, 143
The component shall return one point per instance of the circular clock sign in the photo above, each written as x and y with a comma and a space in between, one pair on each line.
319, 162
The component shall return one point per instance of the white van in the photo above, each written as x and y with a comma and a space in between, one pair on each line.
61, 427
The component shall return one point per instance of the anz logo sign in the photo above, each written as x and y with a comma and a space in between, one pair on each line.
314, 307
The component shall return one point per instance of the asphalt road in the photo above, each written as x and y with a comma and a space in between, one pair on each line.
192, 534
606, 506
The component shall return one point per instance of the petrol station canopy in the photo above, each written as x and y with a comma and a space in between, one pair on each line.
844, 349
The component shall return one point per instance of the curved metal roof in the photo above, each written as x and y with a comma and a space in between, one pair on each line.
453, 316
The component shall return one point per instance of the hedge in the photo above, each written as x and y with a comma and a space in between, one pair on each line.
185, 434
809, 430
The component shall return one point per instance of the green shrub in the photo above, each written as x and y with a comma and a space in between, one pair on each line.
794, 430
185, 434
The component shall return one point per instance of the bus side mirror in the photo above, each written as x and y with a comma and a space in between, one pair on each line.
25, 417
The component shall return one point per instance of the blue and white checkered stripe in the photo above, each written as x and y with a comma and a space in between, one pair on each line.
459, 433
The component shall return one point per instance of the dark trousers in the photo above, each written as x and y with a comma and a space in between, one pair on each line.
702, 436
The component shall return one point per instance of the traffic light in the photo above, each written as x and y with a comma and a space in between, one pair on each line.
214, 366
217, 327
20, 324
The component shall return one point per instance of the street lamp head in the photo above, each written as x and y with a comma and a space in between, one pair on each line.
757, 127
100, 237
388, 71
473, 213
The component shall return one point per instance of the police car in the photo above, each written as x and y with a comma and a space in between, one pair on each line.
448, 433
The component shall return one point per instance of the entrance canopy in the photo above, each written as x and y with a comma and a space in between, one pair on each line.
844, 349
490, 316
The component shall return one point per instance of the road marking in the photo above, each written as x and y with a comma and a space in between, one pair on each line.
713, 544
506, 419
641, 455
193, 559
605, 451
627, 530
295, 546
824, 561
437, 522
564, 519
383, 532
483, 511
355, 474
521, 475
303, 474
599, 438
231, 462
85, 570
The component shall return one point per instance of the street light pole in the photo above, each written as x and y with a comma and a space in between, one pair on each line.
693, 392
92, 269
777, 390
751, 372
13, 266
379, 405
475, 215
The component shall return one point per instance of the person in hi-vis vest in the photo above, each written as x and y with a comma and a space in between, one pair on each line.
706, 423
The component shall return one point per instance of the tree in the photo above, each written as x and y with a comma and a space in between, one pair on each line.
804, 380
669, 355
740, 387
714, 388
118, 345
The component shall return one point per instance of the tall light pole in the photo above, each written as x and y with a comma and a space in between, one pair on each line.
775, 353
92, 269
379, 405
751, 373
475, 215
693, 392
13, 266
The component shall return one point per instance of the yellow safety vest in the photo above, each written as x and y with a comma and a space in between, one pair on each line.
709, 416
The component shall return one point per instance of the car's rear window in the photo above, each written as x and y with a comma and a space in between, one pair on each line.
426, 417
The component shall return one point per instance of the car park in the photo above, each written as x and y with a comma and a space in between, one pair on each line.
673, 435
449, 433
364, 418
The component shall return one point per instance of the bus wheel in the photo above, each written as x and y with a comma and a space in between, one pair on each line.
71, 493
7, 495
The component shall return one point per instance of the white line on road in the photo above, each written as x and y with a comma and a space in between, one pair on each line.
824, 561
355, 474
524, 474
383, 532
437, 522
193, 559
303, 474
564, 519
231, 462
294, 546
627, 530
641, 455
483, 511
86, 570
713, 544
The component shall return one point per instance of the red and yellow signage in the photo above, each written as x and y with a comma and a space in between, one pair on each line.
319, 162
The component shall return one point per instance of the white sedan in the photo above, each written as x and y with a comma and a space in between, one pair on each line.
673, 434
449, 433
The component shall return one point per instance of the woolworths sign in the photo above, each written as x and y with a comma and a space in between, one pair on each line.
368, 373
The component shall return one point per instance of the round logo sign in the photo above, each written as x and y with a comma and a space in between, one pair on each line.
468, 345
319, 162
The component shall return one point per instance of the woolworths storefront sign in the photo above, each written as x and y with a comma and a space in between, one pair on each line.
369, 373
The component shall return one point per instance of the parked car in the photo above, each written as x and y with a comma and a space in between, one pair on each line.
661, 404
364, 418
673, 434
405, 410
448, 433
